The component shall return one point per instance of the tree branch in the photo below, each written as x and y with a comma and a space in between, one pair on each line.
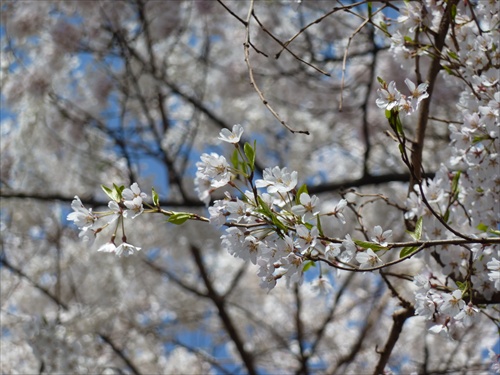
225, 318
399, 318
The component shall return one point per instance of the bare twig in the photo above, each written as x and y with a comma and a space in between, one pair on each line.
246, 47
286, 48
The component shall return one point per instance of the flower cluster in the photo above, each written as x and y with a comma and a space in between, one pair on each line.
273, 224
126, 203
390, 98
460, 198
214, 170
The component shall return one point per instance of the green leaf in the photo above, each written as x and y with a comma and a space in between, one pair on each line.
156, 198
408, 39
399, 126
112, 193
179, 218
448, 70
453, 11
405, 251
453, 55
264, 208
495, 232
454, 184
417, 234
308, 265
482, 227
383, 26
235, 159
250, 154
446, 216
302, 189
278, 223
461, 285
401, 149
418, 228
318, 224
369, 245
370, 10
381, 81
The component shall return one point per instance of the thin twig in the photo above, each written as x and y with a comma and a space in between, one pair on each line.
246, 46
286, 48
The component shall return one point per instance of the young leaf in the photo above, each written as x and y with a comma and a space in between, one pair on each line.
250, 154
454, 184
302, 189
369, 245
308, 265
318, 224
235, 161
417, 234
156, 198
264, 208
407, 251
111, 193
278, 223
482, 227
179, 218
418, 228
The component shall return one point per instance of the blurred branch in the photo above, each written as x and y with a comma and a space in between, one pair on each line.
399, 318
286, 48
303, 357
193, 202
225, 318
246, 47
119, 353
24, 276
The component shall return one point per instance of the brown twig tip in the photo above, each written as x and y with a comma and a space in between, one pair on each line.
306, 132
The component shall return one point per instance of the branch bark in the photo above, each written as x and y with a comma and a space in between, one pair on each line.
399, 318
225, 318
423, 116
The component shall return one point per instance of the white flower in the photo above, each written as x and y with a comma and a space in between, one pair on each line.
494, 274
231, 137
135, 208
368, 259
424, 306
218, 213
349, 249
133, 201
321, 285
332, 250
108, 247
215, 169
237, 210
278, 180
388, 98
133, 192
203, 187
468, 314
126, 248
307, 238
381, 237
307, 207
453, 303
82, 217
417, 93
338, 209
